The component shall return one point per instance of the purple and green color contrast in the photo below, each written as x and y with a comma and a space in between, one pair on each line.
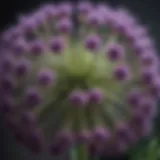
78, 74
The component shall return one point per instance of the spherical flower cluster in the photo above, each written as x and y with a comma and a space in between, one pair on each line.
83, 74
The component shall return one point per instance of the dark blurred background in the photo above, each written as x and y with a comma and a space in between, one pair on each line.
147, 10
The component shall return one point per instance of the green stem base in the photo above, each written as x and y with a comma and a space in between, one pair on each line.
81, 153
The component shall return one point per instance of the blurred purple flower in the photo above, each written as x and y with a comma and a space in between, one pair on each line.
99, 81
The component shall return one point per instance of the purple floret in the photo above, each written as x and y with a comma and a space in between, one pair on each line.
93, 42
114, 52
36, 48
46, 77
57, 45
78, 98
95, 96
33, 98
64, 26
121, 73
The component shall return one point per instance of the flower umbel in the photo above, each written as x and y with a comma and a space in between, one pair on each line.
78, 74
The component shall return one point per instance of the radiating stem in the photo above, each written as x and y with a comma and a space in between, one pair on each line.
79, 153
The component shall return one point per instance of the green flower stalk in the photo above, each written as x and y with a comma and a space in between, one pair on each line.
149, 151
79, 74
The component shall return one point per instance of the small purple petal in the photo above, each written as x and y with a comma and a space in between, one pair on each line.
36, 48
78, 98
123, 133
148, 108
95, 19
100, 134
64, 26
120, 23
131, 36
64, 10
148, 75
7, 104
39, 18
115, 51
134, 98
148, 58
22, 68
155, 87
15, 32
19, 47
140, 45
33, 98
50, 11
140, 126
84, 7
95, 96
121, 73
35, 142
27, 24
100, 137
46, 77
141, 31
7, 84
7, 64
57, 45
62, 141
28, 119
92, 42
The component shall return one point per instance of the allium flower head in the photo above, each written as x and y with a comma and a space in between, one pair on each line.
78, 74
